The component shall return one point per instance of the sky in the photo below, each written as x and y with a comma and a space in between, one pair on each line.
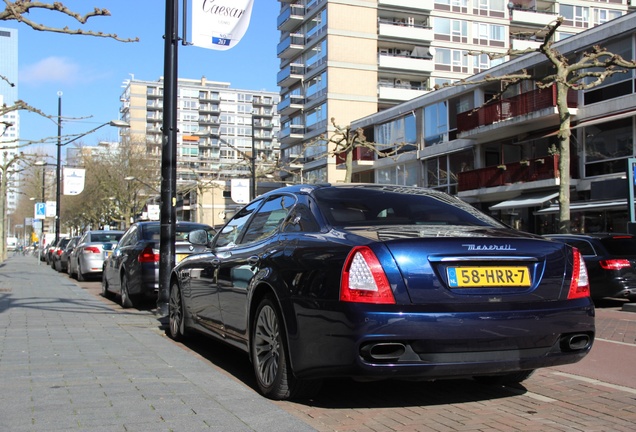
90, 71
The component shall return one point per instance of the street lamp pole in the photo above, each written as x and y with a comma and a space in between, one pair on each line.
168, 217
253, 162
58, 166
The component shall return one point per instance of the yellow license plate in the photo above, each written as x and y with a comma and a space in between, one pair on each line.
181, 256
507, 276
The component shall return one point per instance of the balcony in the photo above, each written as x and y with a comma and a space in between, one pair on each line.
406, 63
531, 18
290, 75
291, 46
361, 155
291, 134
519, 44
424, 5
507, 108
401, 31
291, 104
209, 108
544, 168
400, 94
154, 105
291, 17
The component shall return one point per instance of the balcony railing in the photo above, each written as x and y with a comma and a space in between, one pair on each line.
503, 109
544, 168
359, 154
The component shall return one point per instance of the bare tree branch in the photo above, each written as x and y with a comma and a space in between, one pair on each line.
16, 10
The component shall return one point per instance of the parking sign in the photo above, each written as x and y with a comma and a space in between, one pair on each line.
40, 210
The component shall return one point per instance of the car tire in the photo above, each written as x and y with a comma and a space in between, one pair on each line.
503, 379
176, 318
105, 292
126, 301
270, 360
80, 275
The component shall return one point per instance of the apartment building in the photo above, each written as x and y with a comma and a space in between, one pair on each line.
345, 59
218, 126
223, 133
9, 136
502, 158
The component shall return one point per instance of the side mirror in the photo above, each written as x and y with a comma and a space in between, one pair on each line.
198, 237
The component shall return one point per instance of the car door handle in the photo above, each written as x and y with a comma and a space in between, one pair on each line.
253, 260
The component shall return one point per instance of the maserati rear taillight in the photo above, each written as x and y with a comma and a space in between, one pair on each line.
91, 249
614, 264
148, 255
580, 284
363, 279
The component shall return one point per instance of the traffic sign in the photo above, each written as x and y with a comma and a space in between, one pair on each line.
40, 210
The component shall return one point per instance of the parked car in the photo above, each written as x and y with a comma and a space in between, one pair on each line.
132, 269
88, 257
56, 252
379, 281
611, 262
61, 264
48, 250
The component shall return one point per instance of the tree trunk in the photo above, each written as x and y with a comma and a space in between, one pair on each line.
3, 214
564, 157
349, 163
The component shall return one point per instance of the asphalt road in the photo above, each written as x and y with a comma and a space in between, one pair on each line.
598, 393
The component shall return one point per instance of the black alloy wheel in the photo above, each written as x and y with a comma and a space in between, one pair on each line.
80, 275
176, 320
274, 377
126, 301
105, 292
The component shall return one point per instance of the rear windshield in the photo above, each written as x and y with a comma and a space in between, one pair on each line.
620, 246
153, 232
376, 206
105, 237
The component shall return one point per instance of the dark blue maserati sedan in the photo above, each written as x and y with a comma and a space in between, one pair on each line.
373, 281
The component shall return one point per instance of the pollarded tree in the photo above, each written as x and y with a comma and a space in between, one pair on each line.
574, 72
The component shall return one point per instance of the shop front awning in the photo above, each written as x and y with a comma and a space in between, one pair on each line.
587, 205
524, 201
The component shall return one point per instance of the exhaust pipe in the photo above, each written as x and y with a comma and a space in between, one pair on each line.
383, 351
575, 342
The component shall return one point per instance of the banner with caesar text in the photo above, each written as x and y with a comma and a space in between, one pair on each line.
220, 24
74, 181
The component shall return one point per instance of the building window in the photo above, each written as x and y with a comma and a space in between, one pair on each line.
619, 84
575, 16
451, 60
489, 34
607, 146
450, 30
435, 123
602, 16
402, 174
398, 131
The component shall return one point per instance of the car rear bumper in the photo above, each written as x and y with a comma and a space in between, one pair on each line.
612, 287
91, 265
378, 344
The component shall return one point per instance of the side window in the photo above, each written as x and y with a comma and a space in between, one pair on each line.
301, 220
231, 232
268, 218
128, 238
